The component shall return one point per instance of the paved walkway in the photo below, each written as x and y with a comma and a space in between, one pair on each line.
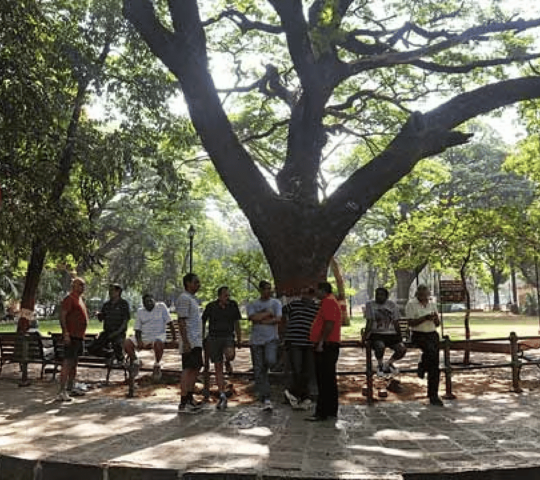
387, 441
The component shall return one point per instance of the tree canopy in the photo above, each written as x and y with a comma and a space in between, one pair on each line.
330, 67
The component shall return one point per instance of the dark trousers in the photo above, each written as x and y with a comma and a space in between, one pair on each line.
102, 345
429, 344
302, 383
325, 368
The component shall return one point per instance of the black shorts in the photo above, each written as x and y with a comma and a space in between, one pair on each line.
216, 346
74, 349
193, 359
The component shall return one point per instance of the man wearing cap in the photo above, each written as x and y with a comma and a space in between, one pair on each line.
115, 317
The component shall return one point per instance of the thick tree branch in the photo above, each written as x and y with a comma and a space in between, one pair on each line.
298, 40
437, 67
244, 23
421, 137
184, 53
474, 33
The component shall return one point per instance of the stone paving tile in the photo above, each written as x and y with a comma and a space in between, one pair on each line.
383, 440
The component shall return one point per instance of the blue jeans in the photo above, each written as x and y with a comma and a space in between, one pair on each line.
263, 358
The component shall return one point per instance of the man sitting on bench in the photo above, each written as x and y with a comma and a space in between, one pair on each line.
382, 330
150, 332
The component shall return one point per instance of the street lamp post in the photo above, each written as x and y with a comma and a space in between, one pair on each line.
191, 234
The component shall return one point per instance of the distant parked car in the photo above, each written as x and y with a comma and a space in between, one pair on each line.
458, 307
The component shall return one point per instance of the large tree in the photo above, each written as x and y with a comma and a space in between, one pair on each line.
338, 60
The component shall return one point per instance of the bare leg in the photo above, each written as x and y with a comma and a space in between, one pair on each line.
158, 350
129, 347
220, 380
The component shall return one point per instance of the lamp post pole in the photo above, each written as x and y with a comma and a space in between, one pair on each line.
191, 233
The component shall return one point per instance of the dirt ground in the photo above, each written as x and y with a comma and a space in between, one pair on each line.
464, 386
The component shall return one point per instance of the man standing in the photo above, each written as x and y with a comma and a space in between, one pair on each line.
223, 317
150, 332
382, 330
190, 324
73, 320
115, 317
325, 336
298, 317
265, 315
423, 321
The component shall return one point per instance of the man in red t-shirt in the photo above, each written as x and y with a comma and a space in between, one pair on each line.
73, 319
326, 335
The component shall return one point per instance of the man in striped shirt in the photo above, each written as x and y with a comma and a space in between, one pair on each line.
299, 316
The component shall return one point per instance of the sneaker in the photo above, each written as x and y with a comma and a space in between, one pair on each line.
63, 397
393, 370
222, 403
77, 392
436, 401
156, 374
267, 405
291, 398
305, 404
380, 371
188, 407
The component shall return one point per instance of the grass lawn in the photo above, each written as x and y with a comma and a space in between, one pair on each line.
483, 325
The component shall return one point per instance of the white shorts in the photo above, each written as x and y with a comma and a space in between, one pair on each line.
148, 343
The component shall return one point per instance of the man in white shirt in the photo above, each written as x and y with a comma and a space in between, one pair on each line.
383, 331
423, 322
191, 342
150, 332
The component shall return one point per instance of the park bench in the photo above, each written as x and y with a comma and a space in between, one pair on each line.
85, 359
24, 349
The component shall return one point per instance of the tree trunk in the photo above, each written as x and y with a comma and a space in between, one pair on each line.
515, 299
404, 279
334, 265
462, 272
33, 274
370, 282
496, 297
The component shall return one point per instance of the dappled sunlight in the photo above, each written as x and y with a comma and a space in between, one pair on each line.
391, 452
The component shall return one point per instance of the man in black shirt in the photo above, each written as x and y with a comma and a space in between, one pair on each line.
115, 317
223, 317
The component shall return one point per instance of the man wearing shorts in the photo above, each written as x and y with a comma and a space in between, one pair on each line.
383, 331
73, 320
150, 332
223, 317
191, 336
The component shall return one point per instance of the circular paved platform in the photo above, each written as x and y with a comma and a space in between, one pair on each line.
100, 438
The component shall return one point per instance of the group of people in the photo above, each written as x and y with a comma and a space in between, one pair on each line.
383, 331
310, 332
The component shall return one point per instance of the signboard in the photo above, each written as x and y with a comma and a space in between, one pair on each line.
451, 291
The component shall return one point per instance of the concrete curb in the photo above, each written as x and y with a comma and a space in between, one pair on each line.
13, 468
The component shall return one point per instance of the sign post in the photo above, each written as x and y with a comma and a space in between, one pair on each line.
450, 291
